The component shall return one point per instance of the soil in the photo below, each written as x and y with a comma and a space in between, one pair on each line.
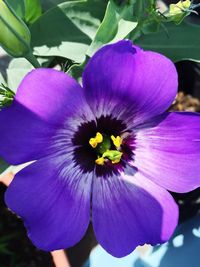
185, 102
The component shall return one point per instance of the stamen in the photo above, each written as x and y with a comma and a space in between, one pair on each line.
93, 142
100, 161
117, 141
96, 140
99, 137
102, 144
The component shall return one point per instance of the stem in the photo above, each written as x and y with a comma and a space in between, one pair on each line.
136, 33
195, 5
33, 60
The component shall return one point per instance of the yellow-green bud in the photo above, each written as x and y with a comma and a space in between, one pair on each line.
178, 11
14, 34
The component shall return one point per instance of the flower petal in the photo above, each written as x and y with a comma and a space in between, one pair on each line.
45, 99
52, 95
122, 78
53, 198
168, 151
131, 213
24, 136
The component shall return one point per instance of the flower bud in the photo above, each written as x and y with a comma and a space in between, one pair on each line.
14, 34
177, 12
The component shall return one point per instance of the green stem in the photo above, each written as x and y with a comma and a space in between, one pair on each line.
33, 60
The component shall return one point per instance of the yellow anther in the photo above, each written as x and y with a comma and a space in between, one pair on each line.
96, 140
100, 161
117, 141
93, 142
99, 137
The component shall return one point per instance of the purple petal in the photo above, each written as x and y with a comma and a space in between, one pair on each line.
131, 213
168, 151
53, 198
45, 99
51, 95
122, 78
24, 136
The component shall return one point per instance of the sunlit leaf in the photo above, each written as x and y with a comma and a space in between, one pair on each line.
16, 71
118, 22
67, 29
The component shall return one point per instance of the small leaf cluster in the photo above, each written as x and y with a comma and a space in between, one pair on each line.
6, 96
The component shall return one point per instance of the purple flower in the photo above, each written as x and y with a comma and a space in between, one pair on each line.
106, 151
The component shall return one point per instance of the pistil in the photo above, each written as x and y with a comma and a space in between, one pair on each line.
103, 144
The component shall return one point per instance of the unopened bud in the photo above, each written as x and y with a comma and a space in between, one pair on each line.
177, 12
14, 34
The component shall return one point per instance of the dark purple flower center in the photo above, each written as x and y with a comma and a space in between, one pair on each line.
115, 158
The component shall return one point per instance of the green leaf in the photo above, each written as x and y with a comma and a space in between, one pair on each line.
117, 24
47, 4
33, 10
176, 42
28, 10
3, 165
68, 29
